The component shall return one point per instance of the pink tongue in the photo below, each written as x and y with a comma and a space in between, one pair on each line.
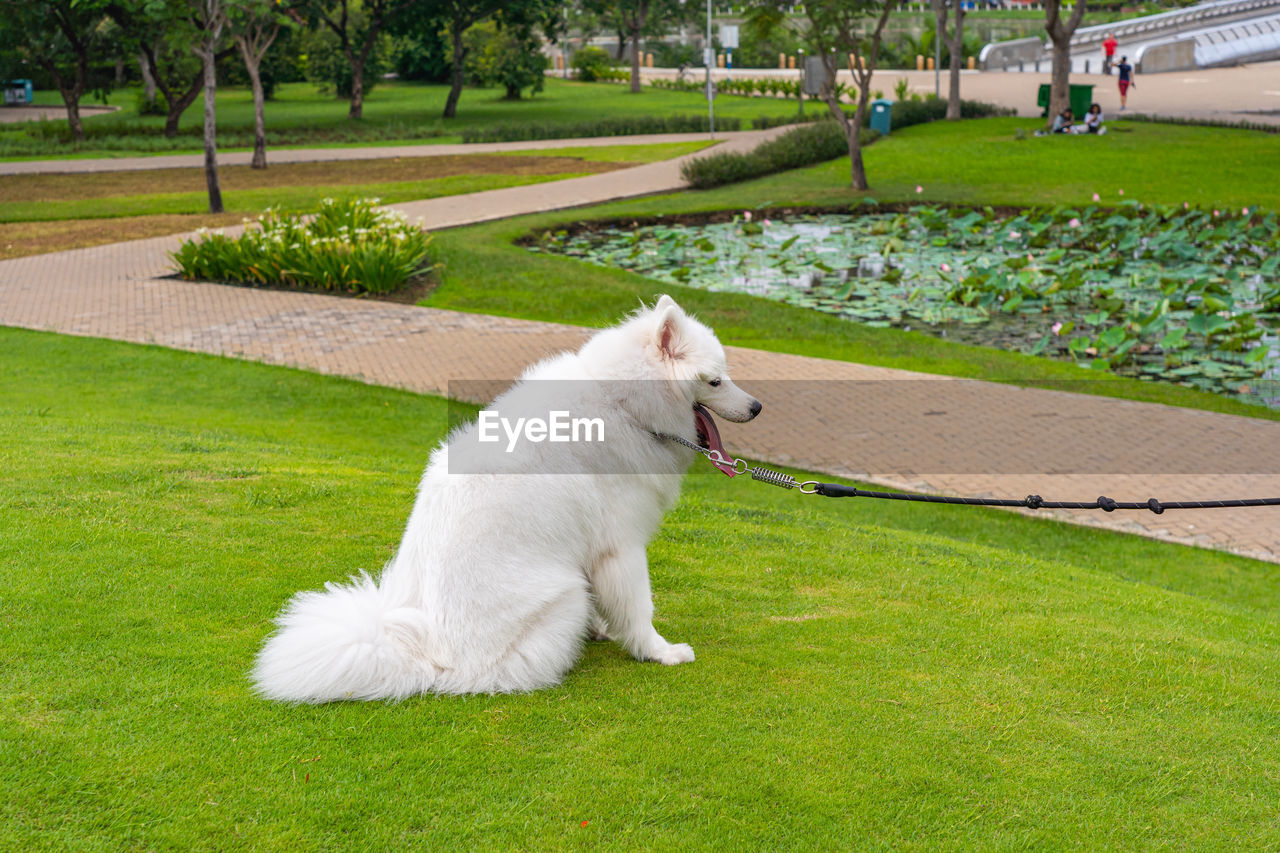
703, 419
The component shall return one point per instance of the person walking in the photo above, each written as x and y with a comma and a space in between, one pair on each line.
1108, 53
1126, 79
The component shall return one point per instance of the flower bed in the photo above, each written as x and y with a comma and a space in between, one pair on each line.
347, 246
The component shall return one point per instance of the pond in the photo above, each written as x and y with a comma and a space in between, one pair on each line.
1174, 295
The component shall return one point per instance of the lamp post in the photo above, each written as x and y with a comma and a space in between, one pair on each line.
708, 59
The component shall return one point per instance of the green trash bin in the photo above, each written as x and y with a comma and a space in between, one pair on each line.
882, 116
1080, 98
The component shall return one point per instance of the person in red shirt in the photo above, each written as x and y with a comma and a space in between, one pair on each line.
1108, 52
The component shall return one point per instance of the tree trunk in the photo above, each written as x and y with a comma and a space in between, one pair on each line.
211, 129
635, 62
253, 67
956, 49
148, 81
71, 94
1059, 82
178, 106
1060, 34
73, 117
857, 174
357, 88
852, 127
455, 84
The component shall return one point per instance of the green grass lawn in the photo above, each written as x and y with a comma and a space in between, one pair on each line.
250, 191
54, 212
973, 163
249, 202
302, 117
868, 675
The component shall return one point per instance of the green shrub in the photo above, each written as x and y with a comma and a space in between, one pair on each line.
766, 122
673, 54
1205, 122
348, 246
505, 58
801, 146
591, 64
159, 106
628, 126
907, 113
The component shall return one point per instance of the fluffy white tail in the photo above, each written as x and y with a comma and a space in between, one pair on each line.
347, 642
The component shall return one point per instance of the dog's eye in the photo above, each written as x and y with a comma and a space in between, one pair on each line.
714, 383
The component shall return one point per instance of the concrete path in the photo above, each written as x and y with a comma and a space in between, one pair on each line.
323, 155
1244, 93
891, 427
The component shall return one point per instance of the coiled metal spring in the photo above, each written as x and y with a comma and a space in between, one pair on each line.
773, 478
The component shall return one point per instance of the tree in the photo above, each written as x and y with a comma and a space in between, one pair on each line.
210, 17
357, 24
66, 38
1060, 34
505, 56
633, 19
254, 25
166, 33
836, 31
954, 42
455, 17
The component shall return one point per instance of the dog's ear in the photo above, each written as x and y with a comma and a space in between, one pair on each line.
668, 334
664, 302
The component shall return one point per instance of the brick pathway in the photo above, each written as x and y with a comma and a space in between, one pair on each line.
891, 427
322, 155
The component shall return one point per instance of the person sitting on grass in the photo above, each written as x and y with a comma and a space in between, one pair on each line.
1062, 121
1092, 121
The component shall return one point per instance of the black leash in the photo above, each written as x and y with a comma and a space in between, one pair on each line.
835, 490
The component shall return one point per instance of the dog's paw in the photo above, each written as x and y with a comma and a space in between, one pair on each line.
675, 653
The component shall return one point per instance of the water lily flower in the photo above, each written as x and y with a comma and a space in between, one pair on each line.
1014, 235
1056, 328
1097, 197
1186, 206
945, 267
766, 223
1244, 212
746, 214
1029, 258
1074, 223
919, 189
1215, 213
1121, 192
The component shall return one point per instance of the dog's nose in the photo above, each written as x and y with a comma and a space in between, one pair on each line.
756, 406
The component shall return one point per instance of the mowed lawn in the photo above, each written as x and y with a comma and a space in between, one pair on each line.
56, 211
868, 676
300, 116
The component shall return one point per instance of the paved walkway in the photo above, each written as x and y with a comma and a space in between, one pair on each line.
1243, 93
891, 427
323, 155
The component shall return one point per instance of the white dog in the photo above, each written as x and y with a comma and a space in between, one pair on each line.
517, 550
